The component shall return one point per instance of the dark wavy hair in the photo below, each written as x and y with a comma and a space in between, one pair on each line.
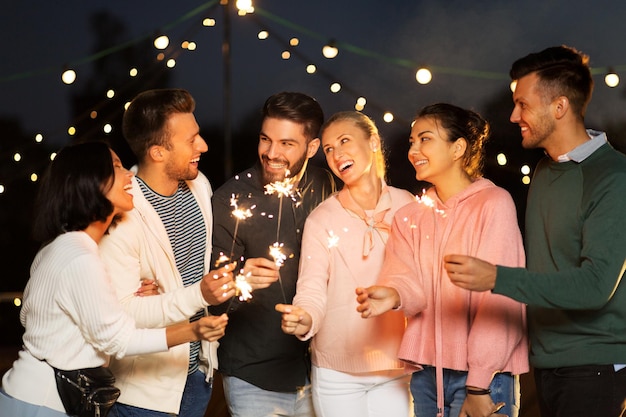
72, 193
562, 71
462, 123
298, 108
145, 121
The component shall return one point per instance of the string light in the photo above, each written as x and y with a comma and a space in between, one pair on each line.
611, 78
161, 42
423, 76
329, 50
68, 76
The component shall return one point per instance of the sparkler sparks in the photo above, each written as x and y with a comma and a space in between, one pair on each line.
243, 288
333, 240
429, 202
276, 252
239, 215
284, 188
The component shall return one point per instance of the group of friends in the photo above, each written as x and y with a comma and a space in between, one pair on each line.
380, 304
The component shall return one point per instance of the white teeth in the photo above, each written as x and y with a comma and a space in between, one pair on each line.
195, 160
345, 165
421, 162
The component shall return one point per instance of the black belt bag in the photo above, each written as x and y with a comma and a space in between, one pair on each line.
87, 392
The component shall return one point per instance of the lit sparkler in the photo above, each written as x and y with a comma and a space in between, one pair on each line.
243, 288
333, 242
276, 252
429, 202
239, 215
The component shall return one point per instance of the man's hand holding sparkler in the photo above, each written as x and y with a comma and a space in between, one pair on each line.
470, 273
218, 285
295, 320
260, 272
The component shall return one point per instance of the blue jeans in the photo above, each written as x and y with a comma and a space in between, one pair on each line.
590, 390
193, 404
504, 388
247, 400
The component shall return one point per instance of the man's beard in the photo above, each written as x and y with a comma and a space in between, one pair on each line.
293, 170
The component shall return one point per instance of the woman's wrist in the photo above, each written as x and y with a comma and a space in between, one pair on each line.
477, 391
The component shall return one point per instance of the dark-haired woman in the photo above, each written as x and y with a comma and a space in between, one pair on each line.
71, 315
467, 348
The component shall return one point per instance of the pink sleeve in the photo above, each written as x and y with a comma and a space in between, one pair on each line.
399, 268
312, 286
498, 322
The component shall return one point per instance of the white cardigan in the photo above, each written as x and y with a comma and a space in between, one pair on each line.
72, 320
137, 248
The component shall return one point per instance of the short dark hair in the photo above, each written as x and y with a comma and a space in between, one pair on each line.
298, 108
145, 121
462, 123
562, 71
72, 193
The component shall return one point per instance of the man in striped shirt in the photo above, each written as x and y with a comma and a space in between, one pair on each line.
166, 240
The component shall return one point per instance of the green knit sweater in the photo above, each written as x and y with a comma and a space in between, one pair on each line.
576, 256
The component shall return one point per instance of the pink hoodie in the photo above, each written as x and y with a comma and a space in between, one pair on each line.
449, 327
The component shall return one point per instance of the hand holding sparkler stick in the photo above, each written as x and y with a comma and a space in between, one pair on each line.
295, 320
218, 286
261, 272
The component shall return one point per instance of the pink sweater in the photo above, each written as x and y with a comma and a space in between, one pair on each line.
332, 265
449, 327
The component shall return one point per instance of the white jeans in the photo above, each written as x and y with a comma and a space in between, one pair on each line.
374, 394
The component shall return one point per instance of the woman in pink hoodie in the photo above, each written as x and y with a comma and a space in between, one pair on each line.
466, 348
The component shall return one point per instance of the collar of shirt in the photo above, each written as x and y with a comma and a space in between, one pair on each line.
581, 152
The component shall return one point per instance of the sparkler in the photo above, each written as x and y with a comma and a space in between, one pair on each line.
333, 242
284, 188
276, 252
429, 202
238, 214
243, 290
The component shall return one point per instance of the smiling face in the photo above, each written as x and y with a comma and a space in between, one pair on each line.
432, 155
283, 148
185, 147
350, 151
119, 192
532, 113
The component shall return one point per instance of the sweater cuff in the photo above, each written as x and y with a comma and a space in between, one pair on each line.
199, 297
479, 378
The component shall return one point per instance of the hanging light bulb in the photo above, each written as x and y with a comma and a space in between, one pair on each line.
423, 76
161, 42
330, 50
68, 76
611, 78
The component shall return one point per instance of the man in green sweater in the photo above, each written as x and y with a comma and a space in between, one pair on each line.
575, 243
